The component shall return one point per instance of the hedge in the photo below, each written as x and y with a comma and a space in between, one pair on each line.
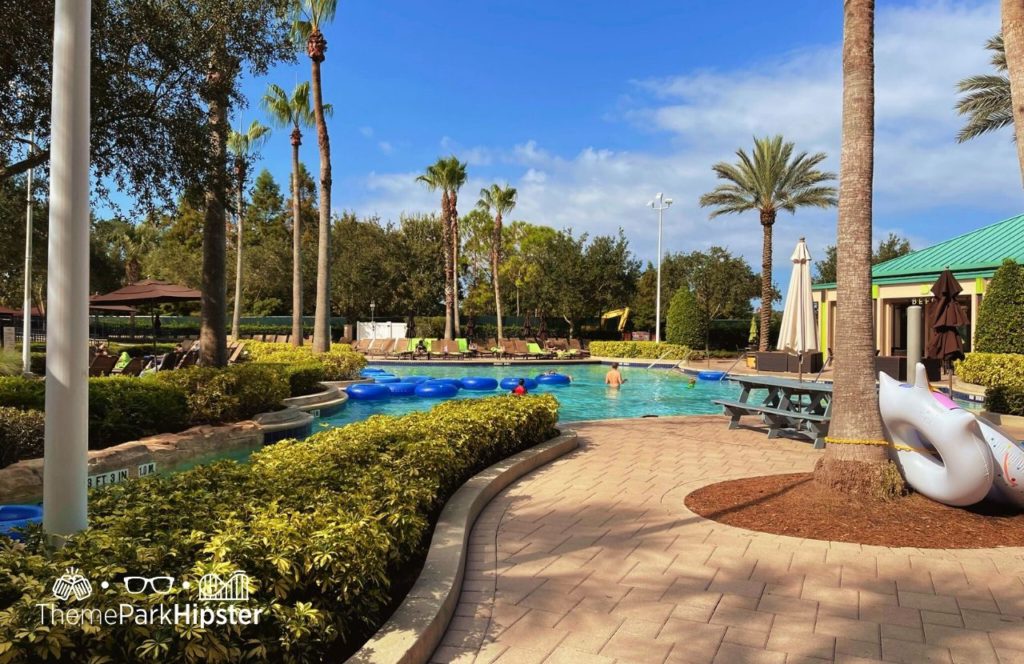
339, 363
323, 527
21, 435
992, 369
685, 323
1001, 316
1005, 400
231, 394
648, 350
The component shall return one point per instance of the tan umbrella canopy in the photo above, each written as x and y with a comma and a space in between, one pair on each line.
147, 291
799, 332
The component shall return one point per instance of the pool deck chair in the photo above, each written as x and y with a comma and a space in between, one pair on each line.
535, 352
102, 365
403, 349
236, 354
452, 350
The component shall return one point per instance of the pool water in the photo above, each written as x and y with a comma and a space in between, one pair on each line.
646, 392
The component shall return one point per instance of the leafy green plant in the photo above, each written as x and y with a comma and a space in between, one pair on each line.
23, 393
648, 350
1005, 399
238, 392
992, 369
339, 363
10, 363
21, 435
1001, 316
124, 408
684, 324
321, 526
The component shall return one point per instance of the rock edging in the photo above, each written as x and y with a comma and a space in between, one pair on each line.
416, 628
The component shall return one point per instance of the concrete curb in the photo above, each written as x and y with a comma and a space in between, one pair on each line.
415, 630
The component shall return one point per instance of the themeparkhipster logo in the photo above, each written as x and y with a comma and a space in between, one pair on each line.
216, 605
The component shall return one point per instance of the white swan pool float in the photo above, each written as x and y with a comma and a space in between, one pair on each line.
945, 452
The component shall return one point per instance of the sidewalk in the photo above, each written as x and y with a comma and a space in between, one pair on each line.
595, 559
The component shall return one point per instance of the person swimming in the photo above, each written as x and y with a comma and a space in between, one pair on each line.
520, 389
614, 378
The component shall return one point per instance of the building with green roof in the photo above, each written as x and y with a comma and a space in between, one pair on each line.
901, 282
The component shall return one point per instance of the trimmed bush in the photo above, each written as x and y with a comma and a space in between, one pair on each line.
304, 378
340, 363
648, 350
238, 392
1005, 400
124, 408
684, 323
992, 369
23, 393
322, 527
21, 435
1001, 316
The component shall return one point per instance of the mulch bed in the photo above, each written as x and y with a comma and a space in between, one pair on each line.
796, 505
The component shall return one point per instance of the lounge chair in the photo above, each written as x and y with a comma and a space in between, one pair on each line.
102, 365
189, 359
491, 346
516, 348
361, 345
403, 349
576, 348
166, 361
235, 355
535, 352
452, 349
133, 368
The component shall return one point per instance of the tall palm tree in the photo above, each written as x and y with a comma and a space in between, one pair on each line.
986, 97
500, 201
310, 17
770, 180
856, 455
434, 178
1013, 41
243, 148
455, 177
293, 111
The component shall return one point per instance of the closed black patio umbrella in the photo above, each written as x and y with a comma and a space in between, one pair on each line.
945, 342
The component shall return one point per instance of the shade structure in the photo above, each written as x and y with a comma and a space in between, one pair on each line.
147, 291
799, 331
947, 315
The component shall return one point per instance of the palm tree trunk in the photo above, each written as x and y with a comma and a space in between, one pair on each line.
854, 461
453, 201
448, 275
237, 313
322, 319
212, 335
297, 331
767, 221
495, 257
1013, 42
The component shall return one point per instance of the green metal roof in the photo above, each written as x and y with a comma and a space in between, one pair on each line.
971, 255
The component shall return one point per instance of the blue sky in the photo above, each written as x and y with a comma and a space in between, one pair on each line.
590, 108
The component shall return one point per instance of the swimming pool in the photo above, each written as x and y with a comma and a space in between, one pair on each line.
646, 392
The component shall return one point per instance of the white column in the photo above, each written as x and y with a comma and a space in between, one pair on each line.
67, 296
975, 303
26, 306
657, 299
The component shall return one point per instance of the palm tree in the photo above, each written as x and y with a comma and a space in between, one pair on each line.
1013, 40
856, 458
434, 179
310, 17
769, 181
500, 200
455, 177
986, 101
243, 147
293, 111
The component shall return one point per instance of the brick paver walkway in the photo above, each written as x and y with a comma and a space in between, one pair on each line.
595, 559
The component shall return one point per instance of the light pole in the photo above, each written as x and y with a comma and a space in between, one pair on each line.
660, 203
26, 306
373, 320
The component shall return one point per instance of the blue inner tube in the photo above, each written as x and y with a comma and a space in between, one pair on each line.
710, 375
416, 380
511, 382
454, 382
18, 516
372, 370
553, 379
434, 390
479, 383
368, 391
402, 389
386, 378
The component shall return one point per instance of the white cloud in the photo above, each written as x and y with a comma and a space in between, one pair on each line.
386, 147
366, 131
921, 52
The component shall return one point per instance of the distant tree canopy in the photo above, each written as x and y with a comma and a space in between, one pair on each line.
893, 246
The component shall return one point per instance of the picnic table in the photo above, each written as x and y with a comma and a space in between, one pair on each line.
788, 405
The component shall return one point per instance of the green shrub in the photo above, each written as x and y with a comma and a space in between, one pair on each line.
321, 526
648, 350
991, 369
124, 408
21, 435
1001, 316
23, 393
340, 363
238, 392
304, 378
1005, 400
684, 323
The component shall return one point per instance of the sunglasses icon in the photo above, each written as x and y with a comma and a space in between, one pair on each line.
160, 585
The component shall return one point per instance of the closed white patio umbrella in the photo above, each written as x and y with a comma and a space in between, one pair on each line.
799, 332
